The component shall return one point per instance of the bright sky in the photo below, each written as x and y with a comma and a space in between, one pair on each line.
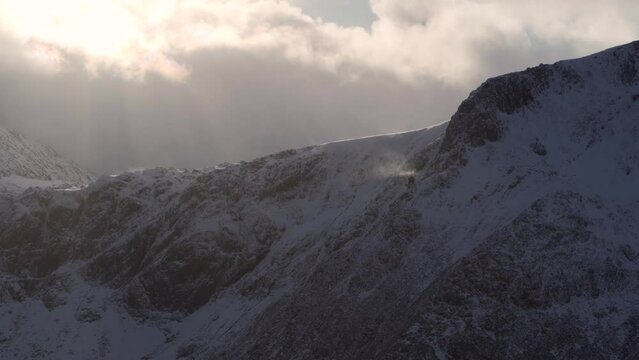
252, 76
448, 40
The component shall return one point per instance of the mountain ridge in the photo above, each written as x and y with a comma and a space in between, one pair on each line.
24, 163
509, 232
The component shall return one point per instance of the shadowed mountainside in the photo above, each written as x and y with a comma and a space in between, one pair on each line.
509, 232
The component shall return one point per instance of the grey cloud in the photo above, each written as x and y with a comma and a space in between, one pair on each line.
214, 81
237, 105
412, 39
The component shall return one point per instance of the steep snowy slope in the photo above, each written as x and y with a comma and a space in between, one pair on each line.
24, 163
510, 232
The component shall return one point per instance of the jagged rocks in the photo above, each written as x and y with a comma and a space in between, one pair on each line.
538, 148
494, 298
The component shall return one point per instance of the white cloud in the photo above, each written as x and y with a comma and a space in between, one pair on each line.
457, 41
454, 40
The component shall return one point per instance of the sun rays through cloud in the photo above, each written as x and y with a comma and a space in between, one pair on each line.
410, 40
197, 82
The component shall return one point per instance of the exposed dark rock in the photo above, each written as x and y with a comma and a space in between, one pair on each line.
538, 148
87, 315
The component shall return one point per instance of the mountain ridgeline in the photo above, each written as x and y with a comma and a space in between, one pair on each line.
20, 157
511, 231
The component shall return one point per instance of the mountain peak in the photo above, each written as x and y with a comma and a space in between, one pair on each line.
482, 117
22, 158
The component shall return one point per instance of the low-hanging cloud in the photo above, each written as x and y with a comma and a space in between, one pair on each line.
121, 83
235, 106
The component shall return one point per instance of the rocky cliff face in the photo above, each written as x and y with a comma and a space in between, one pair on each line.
510, 232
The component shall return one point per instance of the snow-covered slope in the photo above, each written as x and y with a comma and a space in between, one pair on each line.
25, 164
510, 232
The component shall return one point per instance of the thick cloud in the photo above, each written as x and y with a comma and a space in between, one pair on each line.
449, 40
121, 84
465, 40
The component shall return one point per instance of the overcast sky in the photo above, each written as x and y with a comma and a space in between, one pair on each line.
118, 85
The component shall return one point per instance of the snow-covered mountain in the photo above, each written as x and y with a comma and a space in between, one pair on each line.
24, 164
510, 232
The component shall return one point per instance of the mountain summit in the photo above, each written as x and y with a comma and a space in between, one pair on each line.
509, 232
